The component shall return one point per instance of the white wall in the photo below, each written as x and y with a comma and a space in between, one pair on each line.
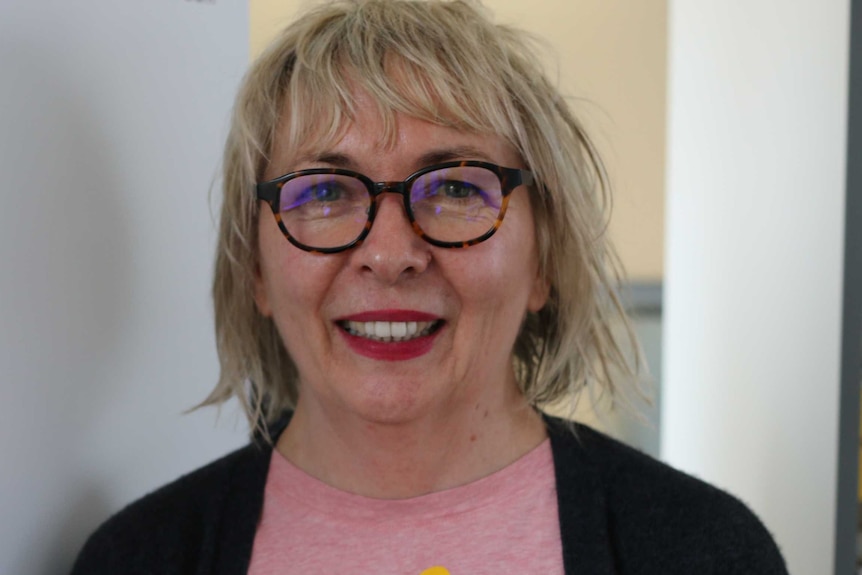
756, 189
112, 116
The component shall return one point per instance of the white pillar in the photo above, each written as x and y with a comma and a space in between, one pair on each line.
755, 227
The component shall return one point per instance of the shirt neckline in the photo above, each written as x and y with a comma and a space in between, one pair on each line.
291, 485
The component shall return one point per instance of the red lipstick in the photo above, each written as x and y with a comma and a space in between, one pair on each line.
390, 350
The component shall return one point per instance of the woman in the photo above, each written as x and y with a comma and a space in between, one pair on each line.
411, 262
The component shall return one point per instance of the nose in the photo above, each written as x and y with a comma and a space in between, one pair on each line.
392, 250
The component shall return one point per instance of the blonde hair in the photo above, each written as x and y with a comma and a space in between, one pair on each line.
444, 62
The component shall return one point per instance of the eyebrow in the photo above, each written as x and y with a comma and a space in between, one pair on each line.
331, 158
430, 158
449, 154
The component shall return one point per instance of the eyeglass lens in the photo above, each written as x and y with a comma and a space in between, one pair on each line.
453, 204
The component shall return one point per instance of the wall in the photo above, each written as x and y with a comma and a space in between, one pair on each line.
112, 115
610, 59
753, 288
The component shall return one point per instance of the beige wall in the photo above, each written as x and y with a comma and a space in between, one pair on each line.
611, 60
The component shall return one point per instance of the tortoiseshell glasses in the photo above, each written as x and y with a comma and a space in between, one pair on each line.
451, 205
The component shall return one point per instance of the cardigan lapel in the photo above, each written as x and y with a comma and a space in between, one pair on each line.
582, 506
241, 510
242, 505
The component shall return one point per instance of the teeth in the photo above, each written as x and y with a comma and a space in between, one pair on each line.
389, 330
398, 330
382, 330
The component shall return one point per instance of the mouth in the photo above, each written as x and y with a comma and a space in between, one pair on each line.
390, 331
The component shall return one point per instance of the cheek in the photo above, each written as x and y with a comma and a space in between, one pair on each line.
507, 277
298, 286
492, 294
498, 282
291, 284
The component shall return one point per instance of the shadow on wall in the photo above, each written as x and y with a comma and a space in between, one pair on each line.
64, 251
87, 508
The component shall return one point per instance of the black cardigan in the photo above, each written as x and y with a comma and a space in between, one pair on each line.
621, 512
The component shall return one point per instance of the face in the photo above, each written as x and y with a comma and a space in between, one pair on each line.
467, 304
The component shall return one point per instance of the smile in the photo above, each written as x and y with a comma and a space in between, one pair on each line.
390, 331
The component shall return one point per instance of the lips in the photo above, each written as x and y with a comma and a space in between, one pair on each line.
390, 335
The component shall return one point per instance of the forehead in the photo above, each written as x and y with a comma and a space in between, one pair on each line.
317, 110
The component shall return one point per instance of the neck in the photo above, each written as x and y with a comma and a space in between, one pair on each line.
411, 458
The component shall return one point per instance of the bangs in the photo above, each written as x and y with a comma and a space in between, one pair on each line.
405, 62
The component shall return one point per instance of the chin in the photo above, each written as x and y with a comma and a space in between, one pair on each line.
392, 403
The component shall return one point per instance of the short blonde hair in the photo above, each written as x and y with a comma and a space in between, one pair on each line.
444, 62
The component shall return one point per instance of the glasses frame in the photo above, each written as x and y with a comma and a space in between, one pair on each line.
510, 178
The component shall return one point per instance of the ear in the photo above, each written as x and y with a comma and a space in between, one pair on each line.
261, 295
539, 293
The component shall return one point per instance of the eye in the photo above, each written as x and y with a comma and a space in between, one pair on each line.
456, 189
330, 191
310, 190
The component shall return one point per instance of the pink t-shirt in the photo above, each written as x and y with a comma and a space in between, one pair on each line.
504, 523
